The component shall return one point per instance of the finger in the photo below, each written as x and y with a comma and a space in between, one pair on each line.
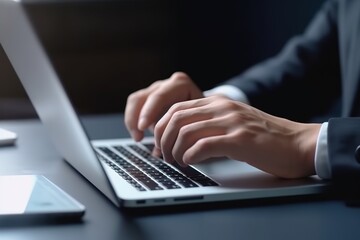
134, 104
179, 120
156, 152
192, 133
133, 107
152, 110
205, 148
164, 121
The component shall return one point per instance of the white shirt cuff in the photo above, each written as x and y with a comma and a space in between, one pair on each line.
322, 165
229, 91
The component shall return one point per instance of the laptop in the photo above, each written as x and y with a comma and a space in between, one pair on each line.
123, 170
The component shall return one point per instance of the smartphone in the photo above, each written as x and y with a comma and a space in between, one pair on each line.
34, 198
7, 137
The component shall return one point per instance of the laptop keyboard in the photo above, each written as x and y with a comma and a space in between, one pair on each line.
145, 172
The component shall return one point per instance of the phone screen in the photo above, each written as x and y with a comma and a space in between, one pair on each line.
34, 196
7, 137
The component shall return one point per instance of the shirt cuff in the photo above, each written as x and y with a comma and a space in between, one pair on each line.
322, 165
229, 91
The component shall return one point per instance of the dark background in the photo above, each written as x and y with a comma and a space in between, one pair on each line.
104, 50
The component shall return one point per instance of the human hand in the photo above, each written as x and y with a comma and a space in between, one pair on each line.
193, 131
146, 106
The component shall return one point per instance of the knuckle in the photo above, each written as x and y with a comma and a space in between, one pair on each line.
158, 96
203, 144
185, 132
177, 116
156, 83
236, 116
179, 75
228, 104
136, 96
175, 108
244, 135
180, 78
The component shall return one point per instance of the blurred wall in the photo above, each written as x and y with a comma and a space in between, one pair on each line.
104, 50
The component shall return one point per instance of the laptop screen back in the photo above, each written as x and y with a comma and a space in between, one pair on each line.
42, 84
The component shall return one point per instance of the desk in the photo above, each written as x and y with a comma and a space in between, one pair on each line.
34, 153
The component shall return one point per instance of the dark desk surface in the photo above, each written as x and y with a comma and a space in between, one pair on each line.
296, 219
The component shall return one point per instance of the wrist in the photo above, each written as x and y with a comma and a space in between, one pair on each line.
307, 147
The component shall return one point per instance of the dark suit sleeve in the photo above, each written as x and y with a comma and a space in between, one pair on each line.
297, 75
343, 140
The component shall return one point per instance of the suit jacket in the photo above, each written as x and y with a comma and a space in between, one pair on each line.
313, 73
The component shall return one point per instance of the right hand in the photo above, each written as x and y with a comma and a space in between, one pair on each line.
146, 106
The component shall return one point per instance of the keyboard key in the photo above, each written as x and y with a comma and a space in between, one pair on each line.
123, 174
187, 176
147, 168
130, 169
140, 167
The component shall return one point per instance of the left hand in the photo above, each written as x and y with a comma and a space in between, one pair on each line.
196, 130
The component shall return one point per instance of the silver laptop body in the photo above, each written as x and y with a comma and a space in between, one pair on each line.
96, 161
